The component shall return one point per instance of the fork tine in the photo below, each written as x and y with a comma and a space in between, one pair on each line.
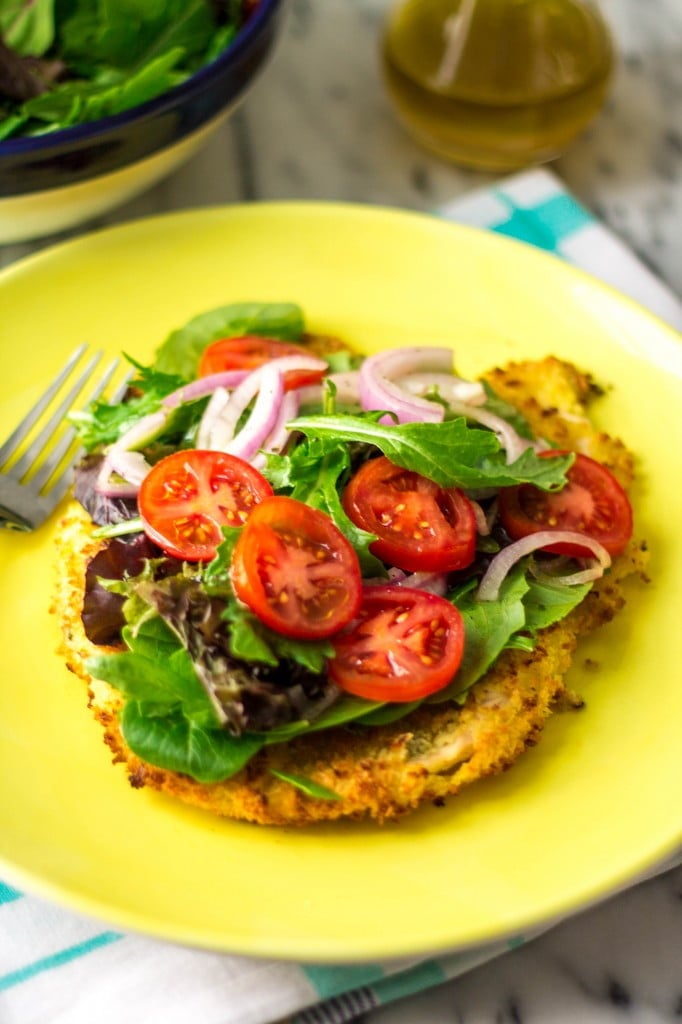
55, 457
34, 414
22, 466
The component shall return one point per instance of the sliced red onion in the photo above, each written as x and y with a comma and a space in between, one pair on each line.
512, 442
378, 389
217, 428
132, 467
279, 436
482, 524
587, 575
114, 489
263, 415
489, 587
433, 582
142, 432
213, 410
449, 387
204, 386
220, 429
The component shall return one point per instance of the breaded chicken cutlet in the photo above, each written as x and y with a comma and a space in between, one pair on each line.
384, 771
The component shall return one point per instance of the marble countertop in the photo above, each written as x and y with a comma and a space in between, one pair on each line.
318, 125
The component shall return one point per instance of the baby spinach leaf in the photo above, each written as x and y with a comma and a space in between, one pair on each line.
346, 710
129, 33
28, 25
75, 102
171, 682
547, 602
388, 713
93, 58
181, 350
181, 745
488, 626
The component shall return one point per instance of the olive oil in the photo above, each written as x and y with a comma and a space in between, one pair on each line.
496, 84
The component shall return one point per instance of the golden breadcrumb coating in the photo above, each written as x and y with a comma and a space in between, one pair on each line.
431, 754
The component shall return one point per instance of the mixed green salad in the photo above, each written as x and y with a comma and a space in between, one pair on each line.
297, 538
66, 62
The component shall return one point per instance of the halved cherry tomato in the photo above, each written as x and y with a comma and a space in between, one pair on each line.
592, 502
405, 644
420, 526
188, 496
250, 352
295, 570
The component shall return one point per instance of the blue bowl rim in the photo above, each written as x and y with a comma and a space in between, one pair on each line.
83, 132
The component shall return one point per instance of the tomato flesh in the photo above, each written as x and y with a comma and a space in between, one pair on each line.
404, 645
251, 351
295, 570
187, 498
420, 526
592, 502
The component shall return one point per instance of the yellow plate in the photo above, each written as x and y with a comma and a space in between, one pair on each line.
599, 800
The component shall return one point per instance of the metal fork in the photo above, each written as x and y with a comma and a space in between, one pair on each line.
32, 486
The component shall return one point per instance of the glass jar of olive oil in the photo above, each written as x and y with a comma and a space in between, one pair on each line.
496, 84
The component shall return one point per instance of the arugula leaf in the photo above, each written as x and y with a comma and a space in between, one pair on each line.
181, 350
182, 745
313, 473
451, 453
102, 423
307, 786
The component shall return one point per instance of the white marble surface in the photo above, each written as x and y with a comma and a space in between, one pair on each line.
318, 125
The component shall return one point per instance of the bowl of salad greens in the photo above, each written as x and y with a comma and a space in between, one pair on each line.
99, 99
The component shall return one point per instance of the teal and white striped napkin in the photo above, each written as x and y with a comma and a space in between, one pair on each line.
59, 968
